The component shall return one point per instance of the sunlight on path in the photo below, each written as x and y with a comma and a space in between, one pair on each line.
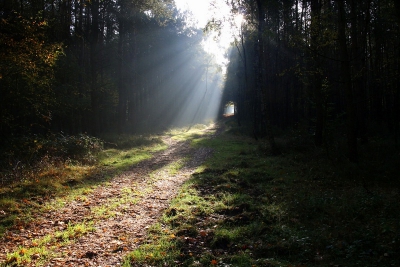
99, 228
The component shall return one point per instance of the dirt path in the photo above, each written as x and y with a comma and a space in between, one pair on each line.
118, 214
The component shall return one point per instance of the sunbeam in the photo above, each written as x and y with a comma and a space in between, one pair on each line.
187, 89
180, 79
197, 78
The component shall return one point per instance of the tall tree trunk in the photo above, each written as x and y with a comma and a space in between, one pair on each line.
94, 93
257, 94
358, 38
316, 69
376, 65
346, 75
133, 80
260, 87
242, 88
121, 83
397, 86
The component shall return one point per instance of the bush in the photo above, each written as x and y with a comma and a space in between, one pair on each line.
80, 147
27, 152
126, 141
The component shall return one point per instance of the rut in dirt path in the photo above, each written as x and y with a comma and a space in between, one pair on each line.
118, 213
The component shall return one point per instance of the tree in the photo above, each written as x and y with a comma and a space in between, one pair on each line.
27, 59
347, 84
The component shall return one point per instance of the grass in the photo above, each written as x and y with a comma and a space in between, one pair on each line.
43, 248
193, 133
130, 152
149, 253
74, 231
24, 256
176, 166
245, 207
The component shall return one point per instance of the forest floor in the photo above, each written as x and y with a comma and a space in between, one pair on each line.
99, 227
212, 196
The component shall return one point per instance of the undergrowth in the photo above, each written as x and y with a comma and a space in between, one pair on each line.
305, 207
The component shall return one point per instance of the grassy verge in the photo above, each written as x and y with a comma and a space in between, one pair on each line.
42, 248
244, 207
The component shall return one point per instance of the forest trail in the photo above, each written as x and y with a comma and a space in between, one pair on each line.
103, 226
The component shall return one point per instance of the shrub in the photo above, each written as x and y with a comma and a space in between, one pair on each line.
80, 147
20, 154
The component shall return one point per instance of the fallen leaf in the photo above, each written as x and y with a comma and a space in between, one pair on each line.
22, 251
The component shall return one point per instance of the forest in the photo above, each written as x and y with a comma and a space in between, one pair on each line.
330, 67
91, 87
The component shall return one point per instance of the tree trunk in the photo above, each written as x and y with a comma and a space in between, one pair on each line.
257, 95
358, 37
260, 88
346, 74
94, 93
121, 83
316, 69
397, 93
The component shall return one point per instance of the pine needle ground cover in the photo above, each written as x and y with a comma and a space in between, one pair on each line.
244, 207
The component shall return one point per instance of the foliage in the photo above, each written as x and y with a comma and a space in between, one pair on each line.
30, 152
76, 147
125, 141
27, 59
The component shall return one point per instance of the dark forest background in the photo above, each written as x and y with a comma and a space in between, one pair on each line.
327, 70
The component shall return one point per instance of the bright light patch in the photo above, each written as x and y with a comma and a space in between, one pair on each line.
229, 110
197, 80
204, 11
199, 9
